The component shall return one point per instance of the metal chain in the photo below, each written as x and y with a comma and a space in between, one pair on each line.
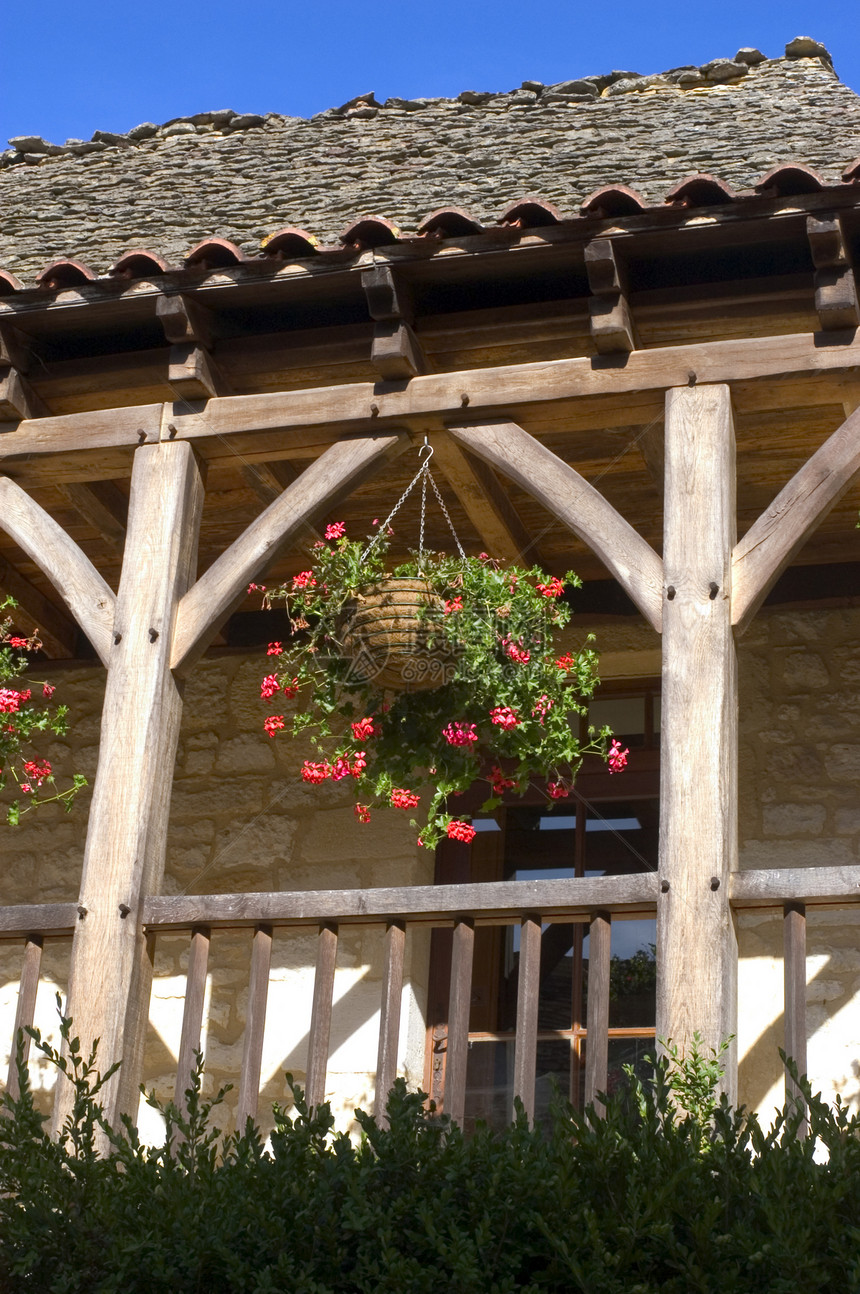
423, 475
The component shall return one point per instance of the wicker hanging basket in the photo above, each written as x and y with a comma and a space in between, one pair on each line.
387, 639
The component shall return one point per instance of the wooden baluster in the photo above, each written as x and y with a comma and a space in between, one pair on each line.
528, 993
320, 1033
27, 989
389, 1020
459, 1006
597, 1009
794, 951
255, 1024
192, 1016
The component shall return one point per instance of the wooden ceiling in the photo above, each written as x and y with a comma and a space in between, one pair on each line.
361, 337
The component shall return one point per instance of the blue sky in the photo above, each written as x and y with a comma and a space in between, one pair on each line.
72, 68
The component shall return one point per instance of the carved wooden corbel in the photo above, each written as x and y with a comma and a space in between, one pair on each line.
18, 400
192, 372
396, 351
611, 321
835, 287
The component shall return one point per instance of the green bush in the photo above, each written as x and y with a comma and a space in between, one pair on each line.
652, 1197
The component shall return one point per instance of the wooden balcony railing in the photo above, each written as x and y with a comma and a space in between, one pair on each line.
530, 903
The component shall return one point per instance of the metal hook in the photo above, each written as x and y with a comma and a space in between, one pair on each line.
429, 449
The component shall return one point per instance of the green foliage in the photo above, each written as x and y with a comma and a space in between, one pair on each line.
671, 1191
24, 718
506, 696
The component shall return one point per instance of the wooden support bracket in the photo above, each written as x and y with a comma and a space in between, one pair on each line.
611, 321
89, 598
773, 539
192, 372
396, 352
577, 504
484, 501
835, 286
18, 400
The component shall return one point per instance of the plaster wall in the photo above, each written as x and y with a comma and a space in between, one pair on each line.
242, 819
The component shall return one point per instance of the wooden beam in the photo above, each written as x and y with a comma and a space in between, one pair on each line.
835, 288
127, 837
528, 999
37, 614
87, 595
488, 903
772, 887
696, 941
255, 1027
269, 480
192, 374
794, 961
319, 1034
396, 351
103, 505
597, 1009
389, 1017
192, 1015
459, 1008
569, 497
484, 501
28, 987
221, 589
772, 541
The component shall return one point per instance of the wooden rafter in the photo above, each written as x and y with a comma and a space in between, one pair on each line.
103, 505
90, 600
583, 509
269, 480
219, 591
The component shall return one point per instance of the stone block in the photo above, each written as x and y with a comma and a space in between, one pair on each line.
842, 762
794, 819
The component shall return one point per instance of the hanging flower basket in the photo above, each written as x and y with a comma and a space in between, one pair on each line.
442, 670
391, 634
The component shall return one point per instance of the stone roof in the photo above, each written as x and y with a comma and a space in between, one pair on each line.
242, 176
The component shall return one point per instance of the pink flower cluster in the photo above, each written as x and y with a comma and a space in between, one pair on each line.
315, 773
274, 649
554, 589
362, 812
336, 530
504, 717
542, 707
565, 663
458, 830
304, 580
37, 769
500, 783
453, 605
273, 723
617, 756
557, 790
269, 686
518, 654
320, 772
11, 700
363, 729
403, 799
460, 734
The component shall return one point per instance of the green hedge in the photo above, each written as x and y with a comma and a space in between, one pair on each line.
669, 1192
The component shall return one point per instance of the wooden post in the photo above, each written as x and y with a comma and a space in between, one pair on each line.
389, 1018
528, 998
320, 1030
459, 1009
794, 954
255, 1025
696, 939
126, 841
27, 990
192, 1015
597, 1009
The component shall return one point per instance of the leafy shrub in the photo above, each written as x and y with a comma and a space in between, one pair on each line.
650, 1197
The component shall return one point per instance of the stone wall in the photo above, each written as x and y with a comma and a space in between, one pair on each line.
242, 176
241, 819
